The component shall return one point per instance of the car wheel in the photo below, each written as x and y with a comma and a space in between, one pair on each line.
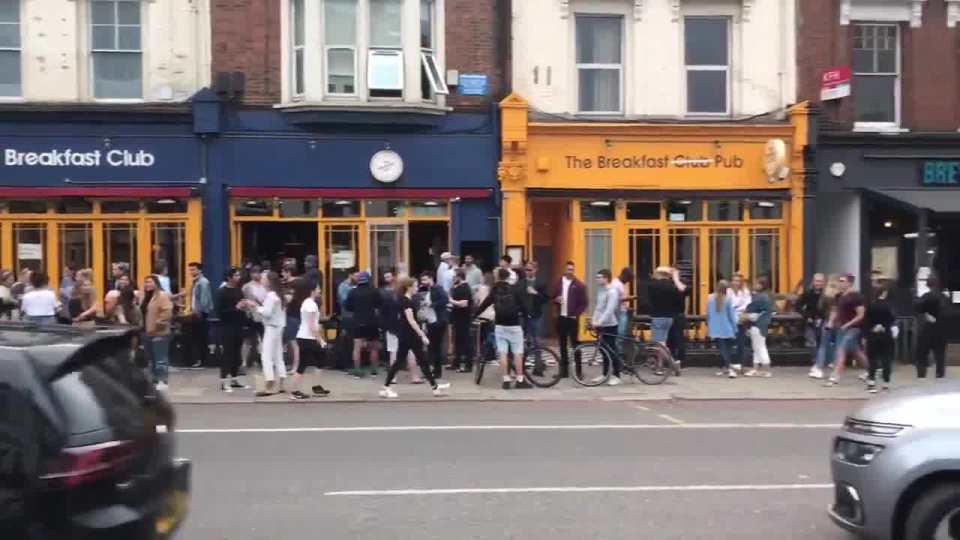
935, 514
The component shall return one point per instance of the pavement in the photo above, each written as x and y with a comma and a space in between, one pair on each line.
558, 470
788, 383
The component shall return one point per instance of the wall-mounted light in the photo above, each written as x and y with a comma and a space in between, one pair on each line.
765, 204
166, 201
887, 224
685, 202
431, 203
600, 204
342, 203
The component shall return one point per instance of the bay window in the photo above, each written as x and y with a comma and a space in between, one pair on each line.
10, 48
364, 51
117, 56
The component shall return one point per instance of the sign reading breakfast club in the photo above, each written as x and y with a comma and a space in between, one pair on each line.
646, 161
67, 157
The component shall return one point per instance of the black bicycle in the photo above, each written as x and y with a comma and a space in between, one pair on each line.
541, 366
650, 363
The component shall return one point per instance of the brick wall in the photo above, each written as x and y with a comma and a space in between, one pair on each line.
930, 66
246, 37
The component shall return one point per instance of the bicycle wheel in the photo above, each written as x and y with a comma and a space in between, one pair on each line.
541, 367
653, 365
591, 369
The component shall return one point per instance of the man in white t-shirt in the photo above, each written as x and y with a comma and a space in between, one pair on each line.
445, 271
40, 304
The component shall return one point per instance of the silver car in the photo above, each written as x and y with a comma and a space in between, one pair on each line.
896, 466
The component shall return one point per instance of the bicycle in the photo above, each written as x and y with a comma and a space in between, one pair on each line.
651, 363
538, 362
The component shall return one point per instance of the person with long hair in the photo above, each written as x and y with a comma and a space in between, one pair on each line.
83, 305
931, 309
271, 312
722, 326
759, 314
127, 311
826, 342
299, 290
880, 325
412, 338
157, 310
309, 338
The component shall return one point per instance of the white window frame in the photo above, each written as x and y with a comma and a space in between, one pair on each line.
18, 49
593, 66
893, 126
397, 55
298, 79
687, 68
428, 59
327, 48
397, 52
92, 82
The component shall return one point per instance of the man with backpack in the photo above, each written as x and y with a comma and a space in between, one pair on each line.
510, 311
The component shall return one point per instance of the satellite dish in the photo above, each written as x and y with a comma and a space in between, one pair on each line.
775, 160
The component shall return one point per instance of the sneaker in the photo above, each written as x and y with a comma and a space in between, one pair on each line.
831, 382
388, 393
298, 396
863, 376
238, 385
721, 373
613, 381
263, 393
161, 387
506, 385
197, 365
871, 383
440, 392
523, 385
816, 373
732, 374
737, 367
872, 389
751, 373
226, 388
443, 386
319, 391
598, 379
766, 374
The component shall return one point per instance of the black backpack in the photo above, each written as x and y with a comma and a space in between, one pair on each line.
505, 303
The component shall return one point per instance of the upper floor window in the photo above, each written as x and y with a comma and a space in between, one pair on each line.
10, 48
707, 58
600, 63
876, 73
362, 49
116, 53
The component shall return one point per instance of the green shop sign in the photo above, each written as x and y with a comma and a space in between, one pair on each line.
940, 173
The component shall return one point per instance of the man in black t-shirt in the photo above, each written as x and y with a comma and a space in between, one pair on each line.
232, 320
461, 300
364, 303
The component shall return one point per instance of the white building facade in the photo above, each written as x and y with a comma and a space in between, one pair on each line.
103, 50
655, 58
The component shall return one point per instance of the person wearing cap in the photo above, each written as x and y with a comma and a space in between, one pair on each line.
364, 301
445, 272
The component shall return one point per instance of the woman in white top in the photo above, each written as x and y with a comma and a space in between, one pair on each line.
40, 304
309, 337
274, 318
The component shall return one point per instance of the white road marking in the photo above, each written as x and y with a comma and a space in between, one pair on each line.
641, 408
573, 489
535, 427
670, 419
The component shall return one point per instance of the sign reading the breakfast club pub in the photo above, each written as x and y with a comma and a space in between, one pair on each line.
646, 161
67, 157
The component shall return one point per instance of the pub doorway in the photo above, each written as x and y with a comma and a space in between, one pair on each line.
278, 241
428, 239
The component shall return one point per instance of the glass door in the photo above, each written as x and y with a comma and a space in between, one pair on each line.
724, 255
644, 250
765, 255
598, 247
29, 246
167, 253
685, 257
75, 246
387, 249
120, 246
342, 242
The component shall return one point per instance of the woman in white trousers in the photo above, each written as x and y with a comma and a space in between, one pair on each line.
759, 312
273, 315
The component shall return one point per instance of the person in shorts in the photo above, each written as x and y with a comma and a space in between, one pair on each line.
364, 302
847, 319
510, 310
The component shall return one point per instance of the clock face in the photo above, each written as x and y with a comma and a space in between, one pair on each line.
386, 166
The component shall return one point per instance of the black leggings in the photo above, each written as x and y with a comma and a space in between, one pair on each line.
880, 355
931, 342
403, 348
311, 354
231, 340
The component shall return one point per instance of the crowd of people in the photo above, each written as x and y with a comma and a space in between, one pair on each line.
411, 322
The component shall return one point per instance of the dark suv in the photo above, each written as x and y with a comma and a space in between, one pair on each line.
86, 443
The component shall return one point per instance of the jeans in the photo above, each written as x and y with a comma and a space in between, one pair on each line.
931, 342
608, 335
158, 351
532, 328
741, 346
660, 328
623, 329
827, 349
758, 342
42, 319
725, 346
880, 354
567, 328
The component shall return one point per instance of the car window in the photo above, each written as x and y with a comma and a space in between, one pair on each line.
92, 400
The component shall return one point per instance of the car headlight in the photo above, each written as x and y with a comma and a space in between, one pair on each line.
873, 429
857, 453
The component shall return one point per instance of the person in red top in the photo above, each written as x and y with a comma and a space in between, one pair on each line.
570, 295
847, 319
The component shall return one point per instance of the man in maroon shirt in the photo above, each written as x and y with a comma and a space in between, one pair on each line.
847, 319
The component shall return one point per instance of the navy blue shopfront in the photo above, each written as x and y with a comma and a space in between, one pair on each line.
283, 187
86, 186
